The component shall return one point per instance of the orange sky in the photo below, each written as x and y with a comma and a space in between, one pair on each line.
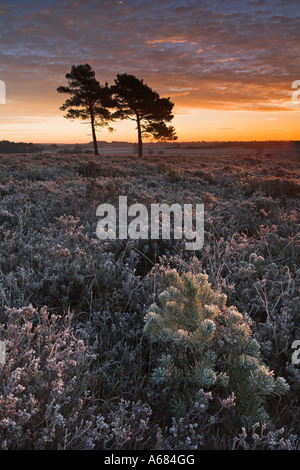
228, 81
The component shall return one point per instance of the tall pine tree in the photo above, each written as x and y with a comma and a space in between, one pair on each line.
137, 101
88, 99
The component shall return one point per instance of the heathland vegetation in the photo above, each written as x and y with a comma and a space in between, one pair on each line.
141, 344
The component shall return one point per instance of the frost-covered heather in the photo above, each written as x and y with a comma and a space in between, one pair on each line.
79, 370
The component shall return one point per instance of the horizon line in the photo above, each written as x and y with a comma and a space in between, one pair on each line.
157, 143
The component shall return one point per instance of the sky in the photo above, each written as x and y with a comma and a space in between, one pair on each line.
228, 66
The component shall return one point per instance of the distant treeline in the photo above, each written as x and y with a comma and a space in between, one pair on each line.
18, 147
251, 144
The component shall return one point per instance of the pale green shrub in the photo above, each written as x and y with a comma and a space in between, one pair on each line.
205, 345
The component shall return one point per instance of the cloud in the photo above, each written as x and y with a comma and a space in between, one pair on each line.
204, 54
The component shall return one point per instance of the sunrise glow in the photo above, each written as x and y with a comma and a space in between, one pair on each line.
227, 81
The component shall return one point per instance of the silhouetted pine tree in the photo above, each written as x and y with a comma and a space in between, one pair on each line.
137, 101
88, 99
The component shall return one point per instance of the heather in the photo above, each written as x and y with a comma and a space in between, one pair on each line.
142, 344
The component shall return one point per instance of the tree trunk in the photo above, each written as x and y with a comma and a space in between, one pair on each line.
139, 136
94, 136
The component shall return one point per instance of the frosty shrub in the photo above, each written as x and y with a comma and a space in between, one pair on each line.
203, 344
49, 398
44, 382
